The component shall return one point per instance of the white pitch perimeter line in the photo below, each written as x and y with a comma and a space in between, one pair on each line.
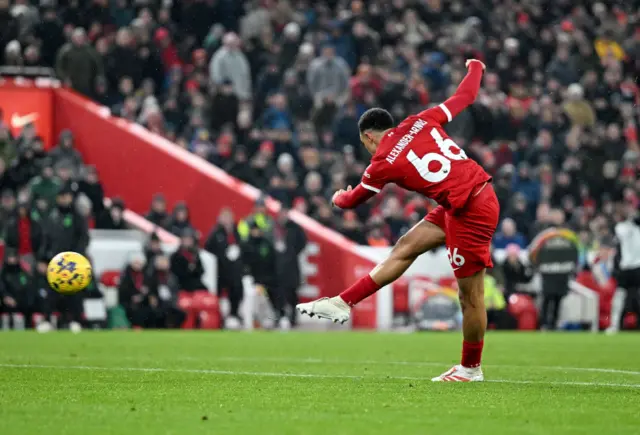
300, 375
421, 364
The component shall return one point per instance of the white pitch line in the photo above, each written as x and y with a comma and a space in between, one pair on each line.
419, 364
300, 375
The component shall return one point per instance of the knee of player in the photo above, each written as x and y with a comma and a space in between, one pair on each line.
404, 248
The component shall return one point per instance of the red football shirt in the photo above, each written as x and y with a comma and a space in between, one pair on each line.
418, 155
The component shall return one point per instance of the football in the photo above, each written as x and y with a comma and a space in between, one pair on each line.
69, 272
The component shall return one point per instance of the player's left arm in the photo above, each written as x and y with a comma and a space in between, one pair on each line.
464, 96
352, 197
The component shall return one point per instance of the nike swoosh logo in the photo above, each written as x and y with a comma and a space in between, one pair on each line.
18, 121
456, 268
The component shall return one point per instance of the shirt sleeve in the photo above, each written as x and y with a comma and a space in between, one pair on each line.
372, 182
464, 96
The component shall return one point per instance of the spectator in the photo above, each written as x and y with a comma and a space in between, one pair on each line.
66, 229
162, 283
328, 77
112, 218
152, 249
9, 28
123, 60
277, 116
50, 34
78, 64
259, 217
562, 67
224, 243
514, 271
7, 207
494, 300
376, 236
46, 185
577, 108
16, 287
226, 106
289, 242
65, 153
180, 220
230, 63
259, 255
158, 214
186, 264
140, 304
24, 234
507, 235
239, 166
91, 187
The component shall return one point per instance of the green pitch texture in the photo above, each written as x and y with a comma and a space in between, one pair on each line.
154, 383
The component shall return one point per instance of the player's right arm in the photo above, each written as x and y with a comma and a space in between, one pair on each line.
464, 96
372, 183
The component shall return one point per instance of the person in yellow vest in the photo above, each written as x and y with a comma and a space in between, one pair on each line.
497, 314
261, 219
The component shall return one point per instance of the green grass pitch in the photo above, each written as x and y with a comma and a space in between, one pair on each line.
155, 383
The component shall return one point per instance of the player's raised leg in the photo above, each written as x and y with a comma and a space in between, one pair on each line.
423, 237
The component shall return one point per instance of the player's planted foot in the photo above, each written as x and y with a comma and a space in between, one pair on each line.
460, 374
334, 309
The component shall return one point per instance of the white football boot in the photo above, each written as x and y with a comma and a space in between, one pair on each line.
459, 373
334, 309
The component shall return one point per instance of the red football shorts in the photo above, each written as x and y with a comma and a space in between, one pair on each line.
469, 231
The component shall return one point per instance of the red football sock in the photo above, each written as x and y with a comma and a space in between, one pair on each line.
471, 354
361, 289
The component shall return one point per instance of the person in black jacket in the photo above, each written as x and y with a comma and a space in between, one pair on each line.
163, 283
24, 234
112, 218
158, 214
224, 243
67, 229
186, 264
514, 271
140, 303
16, 289
92, 188
259, 255
289, 241
152, 249
180, 220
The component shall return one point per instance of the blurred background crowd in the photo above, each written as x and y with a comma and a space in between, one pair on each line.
271, 91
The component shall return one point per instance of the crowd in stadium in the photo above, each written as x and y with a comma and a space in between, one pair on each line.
271, 91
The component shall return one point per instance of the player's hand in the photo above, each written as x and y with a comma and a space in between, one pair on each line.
337, 194
470, 61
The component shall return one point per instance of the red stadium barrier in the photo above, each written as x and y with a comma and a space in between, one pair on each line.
27, 102
134, 164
